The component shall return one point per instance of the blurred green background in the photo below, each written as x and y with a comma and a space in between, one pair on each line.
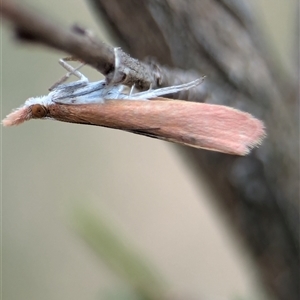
142, 186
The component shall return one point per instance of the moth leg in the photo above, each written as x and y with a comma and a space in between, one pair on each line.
118, 75
72, 71
131, 90
167, 90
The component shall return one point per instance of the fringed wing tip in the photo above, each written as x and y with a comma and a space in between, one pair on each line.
256, 139
250, 133
17, 117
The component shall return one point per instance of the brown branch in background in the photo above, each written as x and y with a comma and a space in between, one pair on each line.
35, 27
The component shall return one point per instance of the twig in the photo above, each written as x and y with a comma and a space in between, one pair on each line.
34, 27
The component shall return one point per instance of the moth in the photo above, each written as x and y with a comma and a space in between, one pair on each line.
200, 125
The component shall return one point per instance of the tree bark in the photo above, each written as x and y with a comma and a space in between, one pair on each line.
220, 39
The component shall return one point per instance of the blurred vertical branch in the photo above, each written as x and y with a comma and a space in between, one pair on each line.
220, 38
118, 254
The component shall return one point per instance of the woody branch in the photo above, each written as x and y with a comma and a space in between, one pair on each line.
31, 26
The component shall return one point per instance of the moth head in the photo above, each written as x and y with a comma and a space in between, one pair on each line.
38, 111
29, 110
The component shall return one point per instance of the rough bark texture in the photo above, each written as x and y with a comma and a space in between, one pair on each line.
219, 38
